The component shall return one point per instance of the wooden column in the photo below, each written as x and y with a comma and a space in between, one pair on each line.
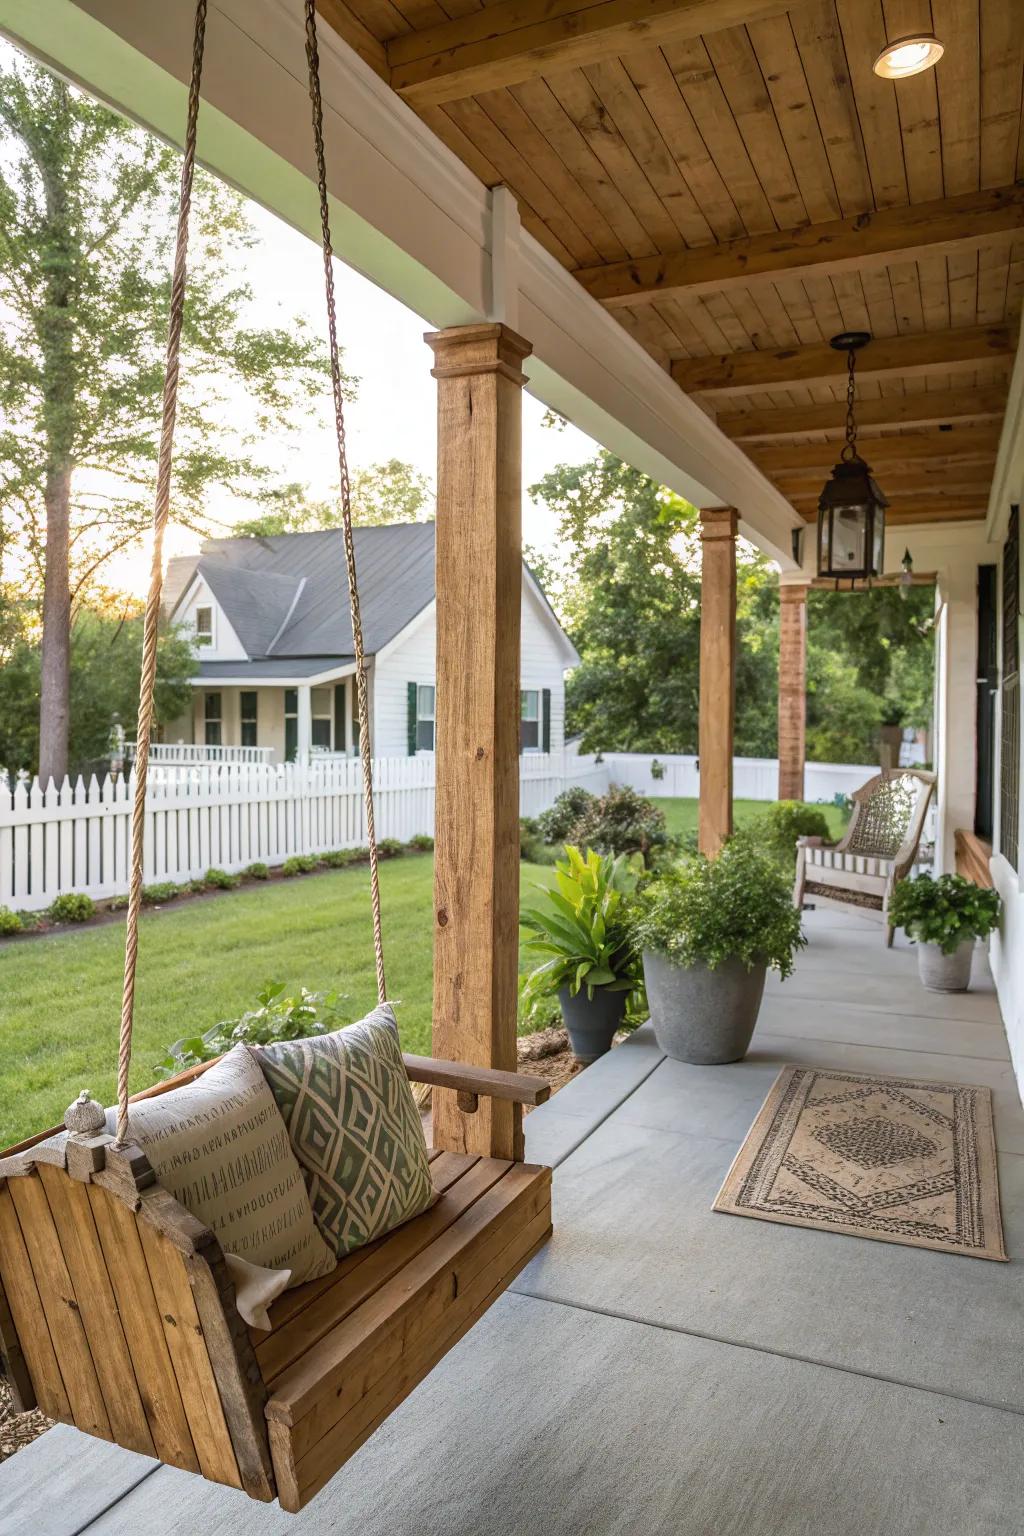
717, 675
792, 690
479, 595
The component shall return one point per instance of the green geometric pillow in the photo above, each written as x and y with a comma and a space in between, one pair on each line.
354, 1127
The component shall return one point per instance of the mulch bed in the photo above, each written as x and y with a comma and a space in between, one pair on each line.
543, 1054
17, 1429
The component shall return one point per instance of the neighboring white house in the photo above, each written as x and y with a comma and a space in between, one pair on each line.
273, 631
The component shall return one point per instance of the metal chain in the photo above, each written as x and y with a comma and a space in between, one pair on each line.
161, 509
313, 60
850, 450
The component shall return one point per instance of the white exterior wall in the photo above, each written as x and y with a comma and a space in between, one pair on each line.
413, 660
1006, 952
226, 644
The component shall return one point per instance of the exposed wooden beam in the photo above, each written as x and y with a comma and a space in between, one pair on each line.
961, 445
908, 509
942, 483
938, 228
912, 356
925, 410
352, 31
519, 40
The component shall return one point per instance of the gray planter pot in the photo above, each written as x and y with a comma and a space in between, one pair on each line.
703, 1016
592, 1022
945, 973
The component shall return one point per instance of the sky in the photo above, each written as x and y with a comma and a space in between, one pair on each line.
394, 416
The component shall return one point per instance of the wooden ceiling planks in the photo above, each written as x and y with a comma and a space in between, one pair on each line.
631, 136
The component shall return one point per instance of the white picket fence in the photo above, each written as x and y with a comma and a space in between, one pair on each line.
75, 837
754, 778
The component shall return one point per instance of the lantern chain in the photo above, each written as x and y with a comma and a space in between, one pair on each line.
850, 450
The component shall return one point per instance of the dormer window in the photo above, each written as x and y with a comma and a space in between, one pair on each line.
204, 626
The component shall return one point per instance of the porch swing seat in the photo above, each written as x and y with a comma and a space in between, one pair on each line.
117, 1313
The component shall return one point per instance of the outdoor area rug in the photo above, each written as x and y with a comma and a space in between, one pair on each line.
892, 1158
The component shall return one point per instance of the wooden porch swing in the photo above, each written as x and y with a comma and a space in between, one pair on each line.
117, 1313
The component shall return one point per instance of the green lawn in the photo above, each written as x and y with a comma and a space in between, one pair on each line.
198, 963
60, 996
681, 814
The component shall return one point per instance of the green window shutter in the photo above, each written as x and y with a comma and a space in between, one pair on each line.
545, 716
412, 719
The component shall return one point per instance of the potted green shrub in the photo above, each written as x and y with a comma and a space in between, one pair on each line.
582, 928
945, 916
708, 930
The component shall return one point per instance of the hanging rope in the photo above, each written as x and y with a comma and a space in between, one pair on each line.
313, 59
161, 509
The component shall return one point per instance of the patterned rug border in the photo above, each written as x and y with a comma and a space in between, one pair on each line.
727, 1202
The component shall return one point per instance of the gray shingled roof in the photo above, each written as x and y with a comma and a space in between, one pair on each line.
287, 595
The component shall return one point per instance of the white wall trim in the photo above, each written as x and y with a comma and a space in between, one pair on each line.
1008, 479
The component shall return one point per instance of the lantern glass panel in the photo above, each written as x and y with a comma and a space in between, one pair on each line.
849, 547
878, 551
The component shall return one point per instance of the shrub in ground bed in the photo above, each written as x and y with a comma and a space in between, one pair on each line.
72, 907
276, 1017
776, 830
298, 864
390, 848
160, 892
622, 822
220, 880
10, 922
532, 847
421, 843
556, 823
256, 872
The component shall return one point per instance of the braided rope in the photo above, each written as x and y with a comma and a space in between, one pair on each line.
313, 59
161, 510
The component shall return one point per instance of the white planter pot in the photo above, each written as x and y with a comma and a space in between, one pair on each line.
945, 973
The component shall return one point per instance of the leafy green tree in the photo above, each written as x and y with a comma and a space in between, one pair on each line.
394, 492
106, 660
629, 592
87, 215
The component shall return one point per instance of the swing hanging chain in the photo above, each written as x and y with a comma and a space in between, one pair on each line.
313, 59
161, 509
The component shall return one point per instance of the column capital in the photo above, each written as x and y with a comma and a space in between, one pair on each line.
793, 591
718, 522
463, 350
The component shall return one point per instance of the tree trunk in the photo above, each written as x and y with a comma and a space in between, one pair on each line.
54, 689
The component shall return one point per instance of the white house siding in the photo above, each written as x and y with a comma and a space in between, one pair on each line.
412, 660
226, 644
1007, 947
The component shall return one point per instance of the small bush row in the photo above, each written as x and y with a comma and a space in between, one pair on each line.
77, 907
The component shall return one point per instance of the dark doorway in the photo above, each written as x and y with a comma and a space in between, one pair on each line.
988, 689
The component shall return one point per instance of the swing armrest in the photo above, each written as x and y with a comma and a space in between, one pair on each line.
516, 1086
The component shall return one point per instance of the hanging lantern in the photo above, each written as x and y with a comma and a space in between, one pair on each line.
906, 574
851, 510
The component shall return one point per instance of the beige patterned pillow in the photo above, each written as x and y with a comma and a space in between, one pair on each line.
354, 1127
220, 1146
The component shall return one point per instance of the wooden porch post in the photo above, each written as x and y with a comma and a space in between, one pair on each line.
717, 675
792, 689
479, 596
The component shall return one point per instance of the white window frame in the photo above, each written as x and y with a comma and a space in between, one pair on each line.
535, 719
217, 720
321, 715
425, 717
204, 637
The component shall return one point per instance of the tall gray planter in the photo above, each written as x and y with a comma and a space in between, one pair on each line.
945, 973
592, 1022
703, 1016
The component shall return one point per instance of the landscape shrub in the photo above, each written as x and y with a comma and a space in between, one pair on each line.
277, 1017
298, 864
390, 848
256, 871
555, 825
421, 843
776, 829
72, 907
622, 821
532, 847
220, 880
338, 858
159, 893
10, 922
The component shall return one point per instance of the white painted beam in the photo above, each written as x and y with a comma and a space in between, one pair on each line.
405, 212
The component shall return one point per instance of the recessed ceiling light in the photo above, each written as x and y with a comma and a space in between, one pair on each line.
908, 56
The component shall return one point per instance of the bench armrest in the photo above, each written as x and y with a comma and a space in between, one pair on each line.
516, 1086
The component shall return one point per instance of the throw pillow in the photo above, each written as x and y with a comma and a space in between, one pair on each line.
354, 1127
219, 1145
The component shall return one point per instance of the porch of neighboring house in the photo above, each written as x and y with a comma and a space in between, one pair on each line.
287, 722
665, 1368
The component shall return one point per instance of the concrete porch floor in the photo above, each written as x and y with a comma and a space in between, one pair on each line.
659, 1368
